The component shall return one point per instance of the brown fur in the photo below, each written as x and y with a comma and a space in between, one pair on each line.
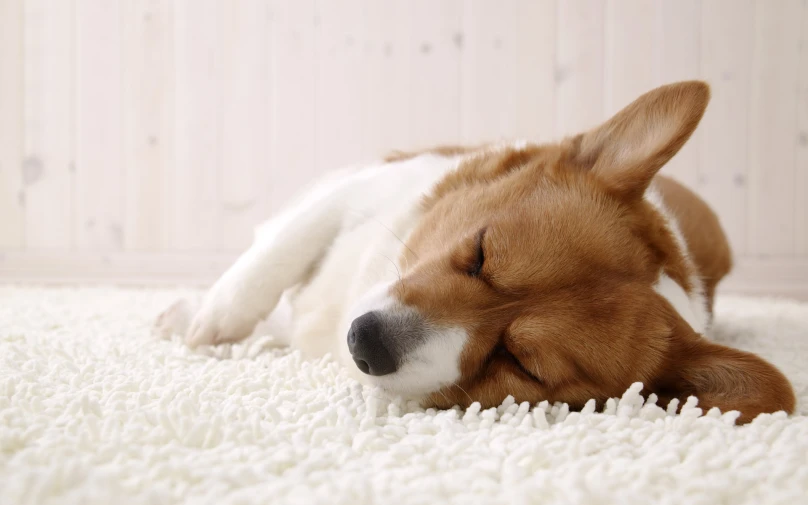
706, 241
564, 306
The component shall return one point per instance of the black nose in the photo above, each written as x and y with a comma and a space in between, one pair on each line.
366, 343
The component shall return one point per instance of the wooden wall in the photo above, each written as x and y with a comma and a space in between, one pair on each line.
140, 140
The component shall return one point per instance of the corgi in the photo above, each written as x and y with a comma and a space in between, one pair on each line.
561, 272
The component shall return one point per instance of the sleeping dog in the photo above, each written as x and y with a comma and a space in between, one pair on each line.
561, 272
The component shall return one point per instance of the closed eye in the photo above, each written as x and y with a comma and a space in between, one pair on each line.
502, 352
476, 267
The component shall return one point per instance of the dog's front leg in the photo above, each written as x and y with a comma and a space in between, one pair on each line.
284, 250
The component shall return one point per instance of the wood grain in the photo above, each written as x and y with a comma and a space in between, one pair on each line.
434, 78
245, 136
152, 130
726, 46
506, 93
678, 42
148, 122
580, 66
773, 128
801, 161
12, 197
100, 196
630, 59
195, 220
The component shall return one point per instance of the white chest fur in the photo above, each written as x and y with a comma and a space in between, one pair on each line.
692, 307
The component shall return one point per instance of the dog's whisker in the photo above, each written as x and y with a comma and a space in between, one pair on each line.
455, 384
398, 272
400, 286
365, 215
448, 401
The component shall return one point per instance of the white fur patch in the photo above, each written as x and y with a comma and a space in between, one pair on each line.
376, 298
679, 299
430, 367
520, 144
691, 306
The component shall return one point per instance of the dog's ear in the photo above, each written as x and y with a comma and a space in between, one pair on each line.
627, 150
726, 378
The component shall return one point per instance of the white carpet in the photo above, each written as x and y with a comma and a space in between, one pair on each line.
93, 409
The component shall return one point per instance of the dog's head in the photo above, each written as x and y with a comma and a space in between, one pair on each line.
532, 274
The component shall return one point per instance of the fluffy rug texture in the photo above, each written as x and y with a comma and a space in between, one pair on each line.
94, 409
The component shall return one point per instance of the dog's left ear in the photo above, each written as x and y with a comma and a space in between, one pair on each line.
728, 379
627, 150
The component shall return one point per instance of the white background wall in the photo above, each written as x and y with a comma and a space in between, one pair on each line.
141, 140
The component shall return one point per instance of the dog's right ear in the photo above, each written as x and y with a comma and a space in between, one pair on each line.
723, 377
626, 151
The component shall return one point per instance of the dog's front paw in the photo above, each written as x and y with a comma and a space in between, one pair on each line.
227, 315
175, 320
212, 328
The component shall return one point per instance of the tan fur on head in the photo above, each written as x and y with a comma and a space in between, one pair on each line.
562, 307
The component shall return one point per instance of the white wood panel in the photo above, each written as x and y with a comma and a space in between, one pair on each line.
390, 49
532, 109
125, 267
148, 122
341, 84
770, 210
507, 70
292, 106
787, 277
579, 68
195, 218
99, 162
47, 166
678, 56
11, 125
629, 52
246, 89
726, 46
434, 79
189, 120
485, 43
801, 164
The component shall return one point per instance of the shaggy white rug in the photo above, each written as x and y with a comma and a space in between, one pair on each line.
93, 409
